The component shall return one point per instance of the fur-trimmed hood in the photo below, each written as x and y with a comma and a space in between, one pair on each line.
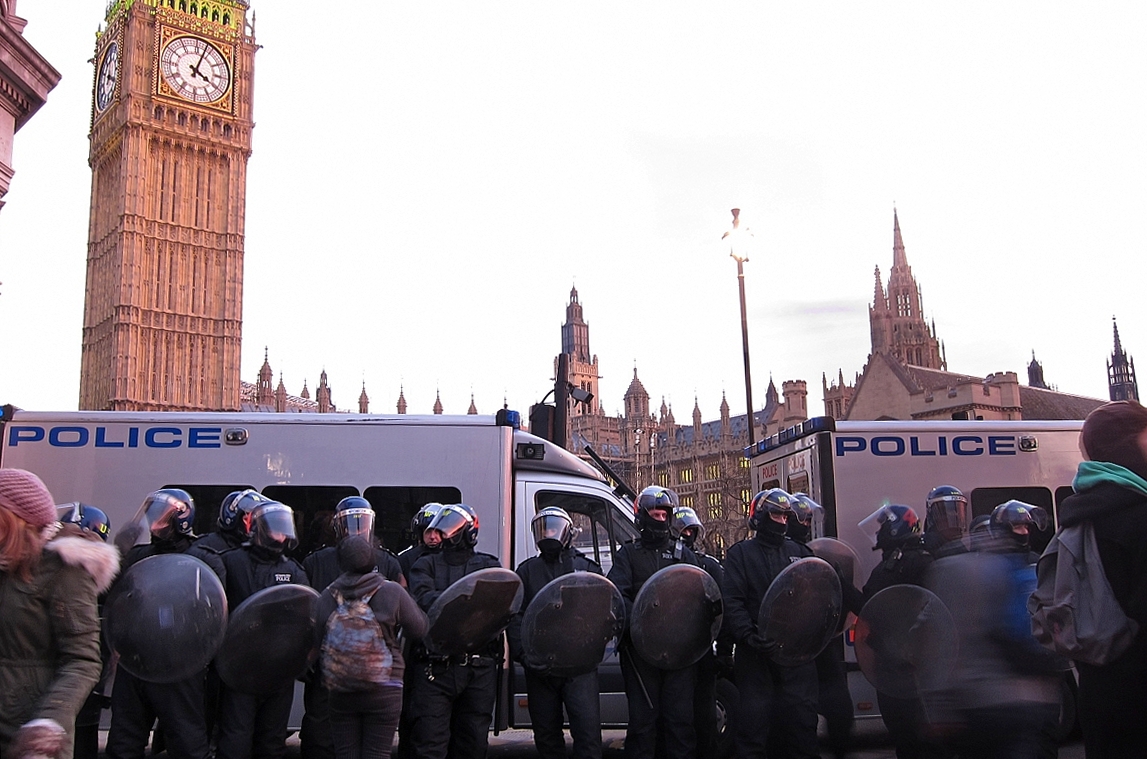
97, 558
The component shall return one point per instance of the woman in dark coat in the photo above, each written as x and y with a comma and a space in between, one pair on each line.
364, 713
49, 628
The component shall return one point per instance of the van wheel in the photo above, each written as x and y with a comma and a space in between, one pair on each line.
726, 699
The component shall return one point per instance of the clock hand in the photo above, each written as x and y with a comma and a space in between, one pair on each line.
195, 68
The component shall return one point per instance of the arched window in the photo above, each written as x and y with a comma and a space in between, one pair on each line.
204, 14
158, 113
183, 5
215, 16
204, 125
226, 19
226, 130
194, 9
182, 119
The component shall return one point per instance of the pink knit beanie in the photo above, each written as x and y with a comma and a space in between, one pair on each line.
22, 493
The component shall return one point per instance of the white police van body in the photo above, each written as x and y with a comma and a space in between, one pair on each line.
852, 468
309, 461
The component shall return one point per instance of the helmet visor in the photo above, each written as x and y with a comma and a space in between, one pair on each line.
552, 527
354, 523
871, 524
273, 526
165, 515
949, 515
450, 521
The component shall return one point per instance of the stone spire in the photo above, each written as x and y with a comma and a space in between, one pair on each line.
898, 256
1121, 382
1035, 374
363, 400
264, 395
323, 394
437, 402
473, 409
696, 420
401, 401
281, 395
306, 394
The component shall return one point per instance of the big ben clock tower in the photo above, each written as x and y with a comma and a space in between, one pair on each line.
170, 139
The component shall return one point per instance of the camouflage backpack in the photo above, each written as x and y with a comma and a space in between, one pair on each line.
354, 654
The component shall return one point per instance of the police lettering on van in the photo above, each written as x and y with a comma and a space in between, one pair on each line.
914, 445
67, 436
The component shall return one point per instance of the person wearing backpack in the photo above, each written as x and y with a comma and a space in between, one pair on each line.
360, 662
1111, 493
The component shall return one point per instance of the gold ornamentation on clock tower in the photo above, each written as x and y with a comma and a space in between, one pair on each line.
170, 139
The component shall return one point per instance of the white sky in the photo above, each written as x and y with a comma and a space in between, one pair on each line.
429, 179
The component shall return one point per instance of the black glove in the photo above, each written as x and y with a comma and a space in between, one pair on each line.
766, 646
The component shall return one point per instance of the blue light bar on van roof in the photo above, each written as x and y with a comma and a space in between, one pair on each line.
787, 435
508, 418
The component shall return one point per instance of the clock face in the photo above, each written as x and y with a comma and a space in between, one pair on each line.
195, 69
107, 76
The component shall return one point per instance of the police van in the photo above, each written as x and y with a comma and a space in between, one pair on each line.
310, 462
852, 468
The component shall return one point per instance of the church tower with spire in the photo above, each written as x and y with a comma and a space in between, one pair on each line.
582, 364
1121, 382
897, 322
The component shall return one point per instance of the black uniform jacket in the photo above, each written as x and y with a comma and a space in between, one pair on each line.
536, 573
750, 568
249, 571
902, 566
437, 571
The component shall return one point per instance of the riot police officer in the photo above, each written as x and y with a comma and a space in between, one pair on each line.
686, 528
774, 699
232, 527
418, 524
451, 703
553, 531
251, 725
835, 700
354, 517
945, 521
660, 701
904, 561
167, 515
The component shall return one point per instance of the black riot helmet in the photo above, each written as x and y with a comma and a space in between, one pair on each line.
807, 513
457, 523
1015, 520
354, 516
88, 518
552, 526
422, 519
892, 526
947, 513
167, 513
686, 526
654, 499
766, 502
235, 511
273, 527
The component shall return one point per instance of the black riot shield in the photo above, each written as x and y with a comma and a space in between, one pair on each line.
906, 641
471, 612
676, 616
800, 610
271, 640
166, 617
569, 624
839, 554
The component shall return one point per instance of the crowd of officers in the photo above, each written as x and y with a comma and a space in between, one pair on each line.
448, 700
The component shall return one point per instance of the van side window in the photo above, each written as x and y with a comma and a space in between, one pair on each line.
207, 500
394, 507
314, 506
983, 500
596, 519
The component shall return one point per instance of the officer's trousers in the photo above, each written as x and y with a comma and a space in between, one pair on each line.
450, 715
835, 699
547, 695
254, 726
136, 704
660, 702
315, 741
774, 701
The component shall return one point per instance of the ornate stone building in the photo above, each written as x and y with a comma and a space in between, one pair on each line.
907, 377
702, 460
169, 144
1121, 382
26, 78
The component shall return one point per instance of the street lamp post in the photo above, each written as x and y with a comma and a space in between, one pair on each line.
738, 251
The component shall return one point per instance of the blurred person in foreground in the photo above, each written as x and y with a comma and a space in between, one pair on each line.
1111, 491
50, 577
1004, 691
